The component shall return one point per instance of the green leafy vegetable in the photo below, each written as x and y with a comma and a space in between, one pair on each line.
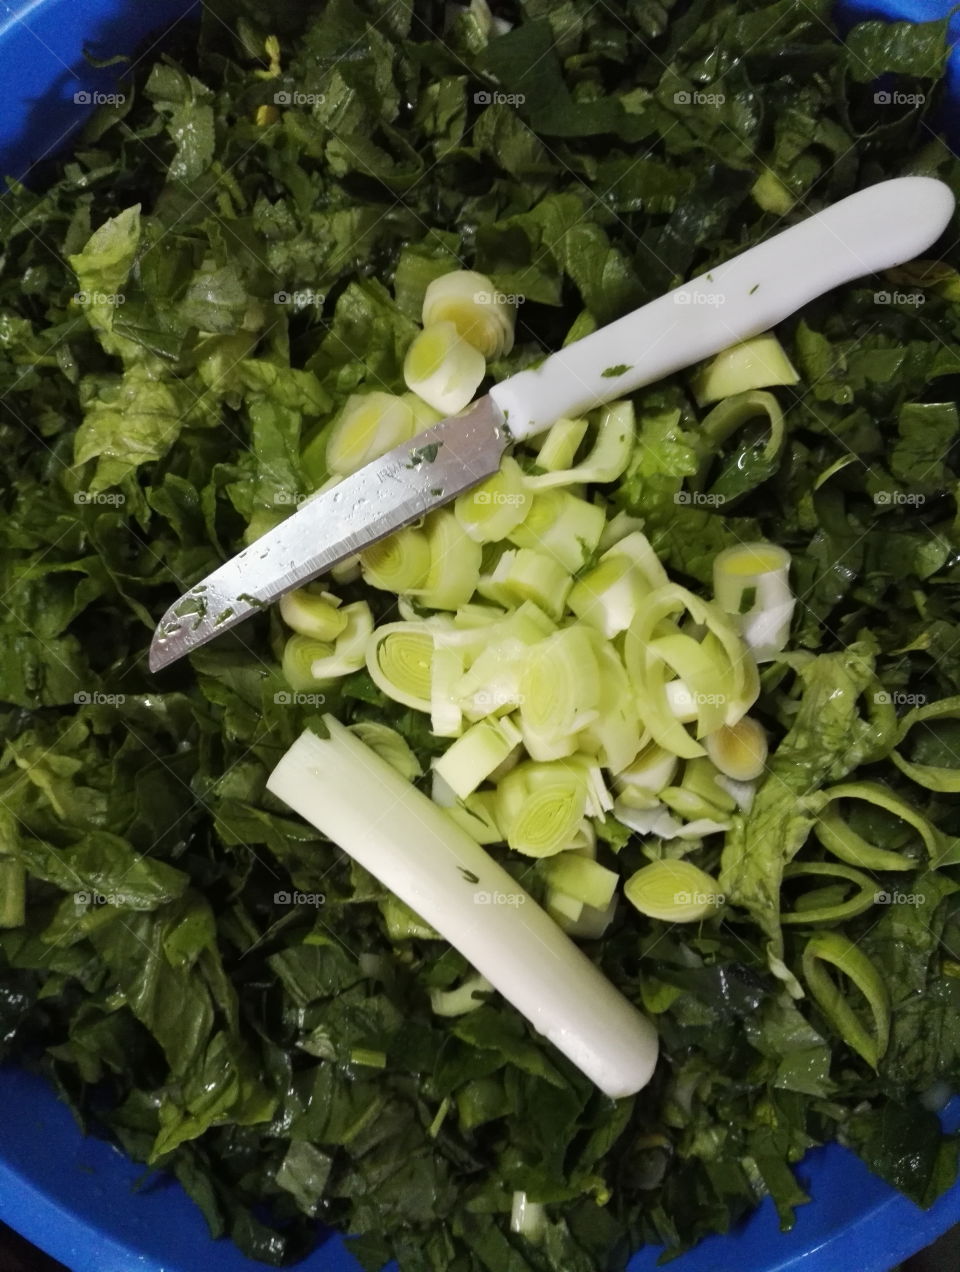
186, 305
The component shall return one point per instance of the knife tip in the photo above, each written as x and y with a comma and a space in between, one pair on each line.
165, 648
160, 655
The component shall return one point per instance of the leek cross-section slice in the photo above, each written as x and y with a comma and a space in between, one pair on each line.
443, 369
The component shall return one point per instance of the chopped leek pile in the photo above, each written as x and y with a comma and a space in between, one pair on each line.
684, 674
561, 669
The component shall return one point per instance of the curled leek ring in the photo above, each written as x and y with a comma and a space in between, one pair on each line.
398, 563
840, 839
934, 777
810, 911
841, 953
540, 806
399, 659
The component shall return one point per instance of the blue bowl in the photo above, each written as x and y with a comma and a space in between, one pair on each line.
82, 1200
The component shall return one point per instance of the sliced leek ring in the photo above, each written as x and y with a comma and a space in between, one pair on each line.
443, 369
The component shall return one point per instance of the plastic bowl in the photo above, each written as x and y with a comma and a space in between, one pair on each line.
82, 1200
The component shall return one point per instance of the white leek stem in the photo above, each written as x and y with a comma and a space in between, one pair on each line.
394, 831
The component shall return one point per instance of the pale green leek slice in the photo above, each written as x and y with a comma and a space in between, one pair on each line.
424, 415
398, 563
296, 664
309, 664
692, 806
758, 363
702, 778
608, 596
839, 838
639, 549
482, 315
467, 996
559, 689
477, 816
583, 879
562, 908
730, 415
739, 750
609, 457
475, 755
840, 952
639, 784
490, 511
539, 806
652, 648
527, 1218
674, 891
561, 443
771, 194
617, 528
751, 583
616, 735
399, 658
932, 776
454, 569
369, 425
349, 649
311, 611
389, 745
821, 905
446, 714
443, 369
563, 526
527, 575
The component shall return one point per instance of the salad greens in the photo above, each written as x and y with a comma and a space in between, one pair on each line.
230, 252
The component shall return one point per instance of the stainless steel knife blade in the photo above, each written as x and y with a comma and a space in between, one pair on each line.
385, 495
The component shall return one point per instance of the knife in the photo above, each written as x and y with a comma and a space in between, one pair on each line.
874, 229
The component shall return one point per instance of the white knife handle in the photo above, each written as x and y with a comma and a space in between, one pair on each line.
874, 229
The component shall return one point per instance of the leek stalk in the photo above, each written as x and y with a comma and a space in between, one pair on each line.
396, 833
